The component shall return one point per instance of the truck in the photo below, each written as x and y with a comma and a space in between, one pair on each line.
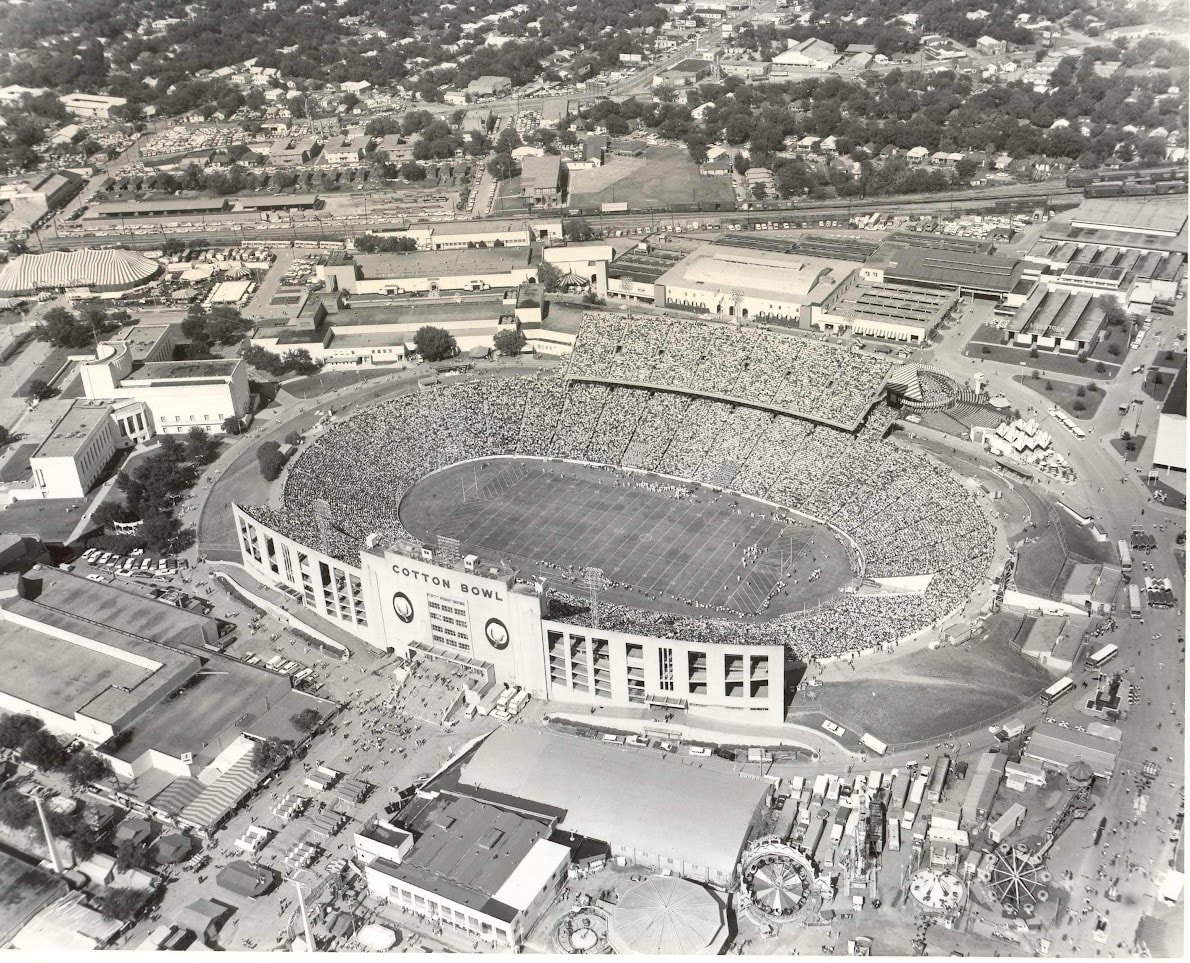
938, 779
918, 792
875, 779
519, 701
832, 788
1134, 601
820, 785
505, 698
908, 817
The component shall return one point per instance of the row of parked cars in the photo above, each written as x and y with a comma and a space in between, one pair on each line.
135, 564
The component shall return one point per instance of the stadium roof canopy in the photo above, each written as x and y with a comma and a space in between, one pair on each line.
631, 800
108, 270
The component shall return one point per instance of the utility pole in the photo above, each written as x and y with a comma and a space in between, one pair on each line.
310, 947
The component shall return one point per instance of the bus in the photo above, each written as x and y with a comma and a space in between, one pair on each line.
1134, 601
1125, 557
1057, 690
1106, 654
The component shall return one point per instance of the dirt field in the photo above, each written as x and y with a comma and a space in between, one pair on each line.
647, 541
660, 177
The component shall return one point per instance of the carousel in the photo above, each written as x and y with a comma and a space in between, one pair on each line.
938, 891
777, 881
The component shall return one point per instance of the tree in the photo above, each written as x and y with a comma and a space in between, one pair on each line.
412, 171
122, 902
434, 344
201, 448
1100, 368
271, 460
293, 438
577, 229
1078, 406
509, 341
5, 436
270, 753
548, 275
1049, 386
697, 149
307, 720
173, 246
43, 750
130, 855
16, 811
502, 166
39, 390
85, 768
16, 728
231, 425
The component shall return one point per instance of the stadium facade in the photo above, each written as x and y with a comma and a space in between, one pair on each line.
482, 617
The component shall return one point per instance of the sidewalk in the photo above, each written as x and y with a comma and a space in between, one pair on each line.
704, 728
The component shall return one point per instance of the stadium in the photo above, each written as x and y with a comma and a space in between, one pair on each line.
680, 518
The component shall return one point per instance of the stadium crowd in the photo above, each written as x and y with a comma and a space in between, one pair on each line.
906, 515
810, 378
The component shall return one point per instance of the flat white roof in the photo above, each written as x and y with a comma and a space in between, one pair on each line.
532, 873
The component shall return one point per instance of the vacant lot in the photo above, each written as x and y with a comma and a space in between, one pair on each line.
556, 520
660, 177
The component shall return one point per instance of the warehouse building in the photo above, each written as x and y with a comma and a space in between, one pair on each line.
432, 274
480, 869
1056, 320
724, 281
94, 106
655, 813
1054, 641
1153, 217
1170, 451
1093, 587
1056, 749
980, 275
897, 312
170, 207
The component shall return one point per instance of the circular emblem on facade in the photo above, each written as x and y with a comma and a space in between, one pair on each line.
403, 607
497, 634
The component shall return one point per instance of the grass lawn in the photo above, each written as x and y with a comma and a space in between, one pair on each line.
648, 543
928, 694
44, 371
320, 384
985, 343
662, 176
1138, 442
1065, 395
1152, 388
17, 466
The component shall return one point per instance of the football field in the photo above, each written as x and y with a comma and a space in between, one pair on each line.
651, 536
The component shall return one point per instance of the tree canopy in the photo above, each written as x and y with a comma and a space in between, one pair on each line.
435, 344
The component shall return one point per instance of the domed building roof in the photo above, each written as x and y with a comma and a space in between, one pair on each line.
667, 915
101, 270
1080, 773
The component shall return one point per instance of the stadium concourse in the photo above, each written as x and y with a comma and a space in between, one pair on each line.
903, 514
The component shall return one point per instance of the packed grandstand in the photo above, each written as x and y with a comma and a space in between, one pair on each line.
906, 515
798, 376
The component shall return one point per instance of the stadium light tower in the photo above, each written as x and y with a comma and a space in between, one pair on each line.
593, 578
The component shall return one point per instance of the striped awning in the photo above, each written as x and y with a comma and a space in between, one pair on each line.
573, 280
177, 795
903, 381
221, 796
